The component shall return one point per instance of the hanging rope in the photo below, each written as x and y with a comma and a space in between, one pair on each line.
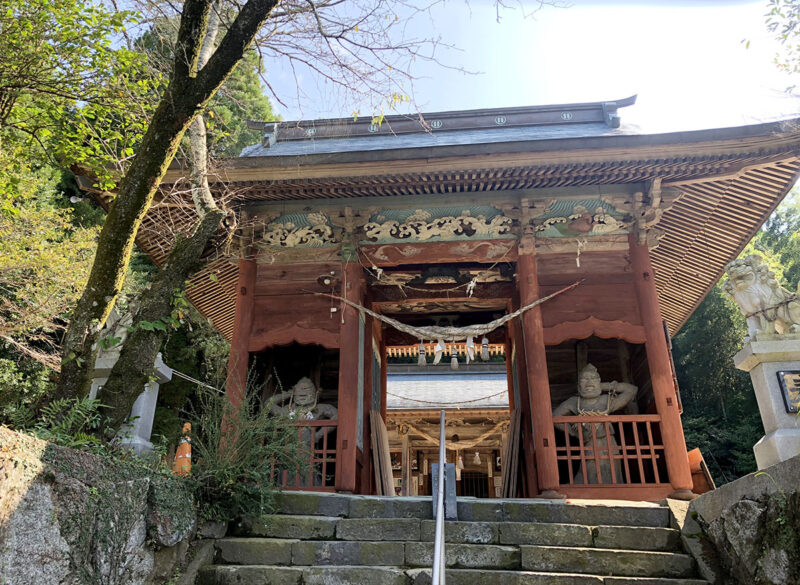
451, 333
437, 402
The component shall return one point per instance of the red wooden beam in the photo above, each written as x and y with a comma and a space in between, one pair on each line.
482, 251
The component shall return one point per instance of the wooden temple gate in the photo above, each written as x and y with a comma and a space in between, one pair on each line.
517, 203
616, 299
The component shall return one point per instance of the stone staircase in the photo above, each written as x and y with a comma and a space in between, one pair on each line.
333, 539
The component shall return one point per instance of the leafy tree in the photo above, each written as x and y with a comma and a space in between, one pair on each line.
359, 45
60, 69
38, 239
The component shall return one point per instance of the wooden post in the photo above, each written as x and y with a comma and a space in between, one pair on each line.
352, 288
384, 378
405, 466
510, 369
658, 360
528, 442
239, 358
536, 366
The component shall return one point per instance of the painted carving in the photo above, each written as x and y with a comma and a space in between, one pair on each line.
290, 231
437, 224
493, 250
405, 251
596, 399
767, 306
569, 219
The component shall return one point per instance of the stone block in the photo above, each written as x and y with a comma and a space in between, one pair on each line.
378, 529
545, 533
312, 504
637, 538
300, 527
337, 552
201, 554
585, 514
607, 562
461, 532
779, 445
480, 577
466, 556
263, 575
255, 551
376, 507
780, 477
212, 530
354, 576
480, 511
651, 581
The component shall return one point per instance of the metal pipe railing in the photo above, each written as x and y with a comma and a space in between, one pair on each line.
438, 542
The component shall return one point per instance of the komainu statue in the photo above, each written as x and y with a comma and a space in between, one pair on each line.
597, 399
767, 306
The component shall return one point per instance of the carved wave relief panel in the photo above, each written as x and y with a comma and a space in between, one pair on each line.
589, 217
299, 230
437, 224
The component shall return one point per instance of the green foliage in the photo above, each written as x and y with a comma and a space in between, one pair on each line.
23, 383
67, 84
39, 238
783, 19
194, 348
240, 99
236, 450
68, 422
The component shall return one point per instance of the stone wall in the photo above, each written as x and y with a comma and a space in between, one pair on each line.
748, 532
69, 517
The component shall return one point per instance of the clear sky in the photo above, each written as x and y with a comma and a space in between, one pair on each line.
686, 60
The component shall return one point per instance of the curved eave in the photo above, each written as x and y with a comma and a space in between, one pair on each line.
609, 147
733, 178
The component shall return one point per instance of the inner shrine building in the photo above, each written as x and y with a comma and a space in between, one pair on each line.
456, 219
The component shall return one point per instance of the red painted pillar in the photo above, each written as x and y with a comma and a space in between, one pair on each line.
536, 367
352, 290
658, 360
239, 358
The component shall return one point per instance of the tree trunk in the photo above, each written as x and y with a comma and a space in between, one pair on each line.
188, 93
135, 364
134, 367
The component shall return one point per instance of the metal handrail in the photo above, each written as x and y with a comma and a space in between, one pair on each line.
438, 542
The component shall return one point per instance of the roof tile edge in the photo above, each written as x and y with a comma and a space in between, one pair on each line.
557, 114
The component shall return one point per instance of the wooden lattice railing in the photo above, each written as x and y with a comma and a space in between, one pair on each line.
319, 439
396, 351
610, 451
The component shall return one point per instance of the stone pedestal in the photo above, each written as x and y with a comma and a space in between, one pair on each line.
763, 358
136, 433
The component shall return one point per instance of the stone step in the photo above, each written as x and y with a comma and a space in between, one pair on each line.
409, 529
277, 551
465, 556
474, 510
277, 575
349, 575
479, 577
591, 561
